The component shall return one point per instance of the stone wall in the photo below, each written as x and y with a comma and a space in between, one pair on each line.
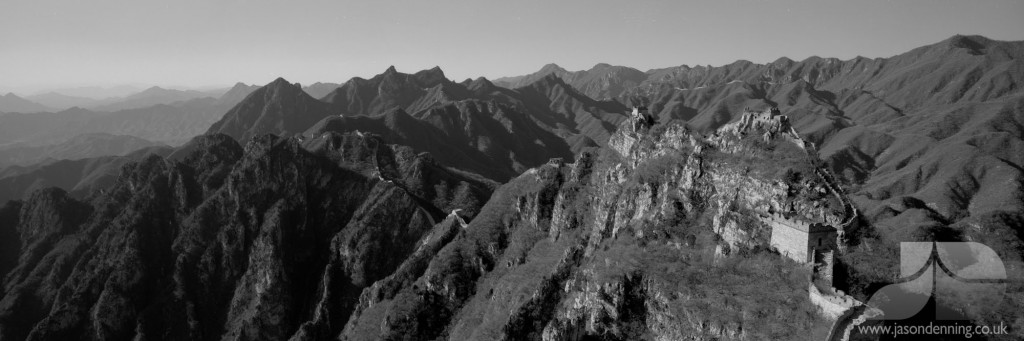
789, 241
825, 265
822, 239
798, 239
832, 306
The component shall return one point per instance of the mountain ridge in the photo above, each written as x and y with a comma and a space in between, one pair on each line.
11, 103
410, 206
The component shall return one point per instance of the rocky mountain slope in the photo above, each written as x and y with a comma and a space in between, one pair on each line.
79, 177
376, 211
389, 90
346, 236
491, 140
279, 107
201, 244
616, 245
474, 125
938, 124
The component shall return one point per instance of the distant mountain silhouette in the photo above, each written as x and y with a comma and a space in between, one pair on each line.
77, 147
389, 90
518, 81
99, 92
149, 97
319, 90
61, 101
236, 94
603, 81
80, 177
11, 103
172, 124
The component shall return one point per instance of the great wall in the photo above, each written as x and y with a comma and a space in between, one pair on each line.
795, 238
813, 240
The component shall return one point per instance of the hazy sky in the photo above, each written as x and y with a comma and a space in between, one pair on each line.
58, 43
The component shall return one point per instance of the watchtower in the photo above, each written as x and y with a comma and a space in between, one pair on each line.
799, 239
642, 119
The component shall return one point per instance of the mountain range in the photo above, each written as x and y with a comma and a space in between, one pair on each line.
54, 101
173, 124
477, 125
934, 123
98, 92
60, 101
12, 103
78, 147
603, 81
413, 207
147, 98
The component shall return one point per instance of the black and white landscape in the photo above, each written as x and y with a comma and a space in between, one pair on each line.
741, 201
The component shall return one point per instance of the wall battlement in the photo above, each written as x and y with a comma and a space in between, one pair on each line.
831, 305
796, 222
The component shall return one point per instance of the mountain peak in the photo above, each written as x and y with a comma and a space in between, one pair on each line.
391, 70
153, 90
279, 107
237, 93
975, 43
280, 84
551, 67
75, 111
434, 72
783, 61
479, 83
431, 76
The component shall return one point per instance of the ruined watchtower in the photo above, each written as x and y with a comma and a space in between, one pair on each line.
641, 118
799, 239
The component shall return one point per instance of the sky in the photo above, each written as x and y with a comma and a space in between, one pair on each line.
50, 44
